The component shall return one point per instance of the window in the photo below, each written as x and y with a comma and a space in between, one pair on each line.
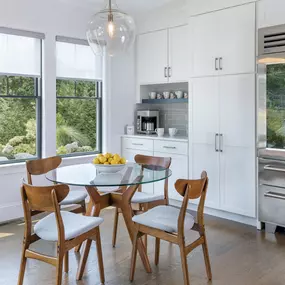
20, 95
276, 106
78, 88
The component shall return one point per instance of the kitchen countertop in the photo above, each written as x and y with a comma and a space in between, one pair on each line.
155, 137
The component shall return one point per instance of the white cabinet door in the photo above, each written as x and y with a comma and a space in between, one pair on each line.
152, 57
179, 54
236, 39
205, 109
129, 154
203, 35
237, 180
237, 105
179, 168
204, 157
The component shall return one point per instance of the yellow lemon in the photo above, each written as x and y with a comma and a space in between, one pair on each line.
114, 162
110, 159
117, 157
96, 161
123, 160
102, 159
108, 155
106, 163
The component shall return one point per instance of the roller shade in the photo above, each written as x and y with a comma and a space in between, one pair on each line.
20, 55
76, 61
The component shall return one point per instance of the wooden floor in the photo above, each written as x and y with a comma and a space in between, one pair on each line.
239, 254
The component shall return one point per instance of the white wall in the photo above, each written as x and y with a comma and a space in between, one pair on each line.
54, 18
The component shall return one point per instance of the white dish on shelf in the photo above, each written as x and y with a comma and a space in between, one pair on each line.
102, 168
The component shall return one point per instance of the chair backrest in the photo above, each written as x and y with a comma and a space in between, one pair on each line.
164, 162
196, 187
43, 198
41, 166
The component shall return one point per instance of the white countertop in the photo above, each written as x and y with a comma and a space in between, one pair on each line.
155, 137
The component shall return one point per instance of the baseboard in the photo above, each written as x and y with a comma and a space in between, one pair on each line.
221, 214
10, 212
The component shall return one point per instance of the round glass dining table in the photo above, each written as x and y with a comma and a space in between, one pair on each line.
111, 189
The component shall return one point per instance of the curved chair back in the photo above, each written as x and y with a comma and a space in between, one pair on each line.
41, 166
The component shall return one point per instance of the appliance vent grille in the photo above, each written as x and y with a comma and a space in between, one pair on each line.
271, 40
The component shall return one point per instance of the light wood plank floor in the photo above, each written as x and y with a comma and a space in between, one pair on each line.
239, 254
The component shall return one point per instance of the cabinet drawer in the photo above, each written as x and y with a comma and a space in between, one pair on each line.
272, 205
171, 147
139, 144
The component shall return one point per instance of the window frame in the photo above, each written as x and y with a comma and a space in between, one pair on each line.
99, 117
38, 99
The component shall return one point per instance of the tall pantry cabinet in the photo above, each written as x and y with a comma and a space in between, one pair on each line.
222, 88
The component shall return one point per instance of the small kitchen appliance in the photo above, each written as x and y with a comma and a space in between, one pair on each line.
147, 121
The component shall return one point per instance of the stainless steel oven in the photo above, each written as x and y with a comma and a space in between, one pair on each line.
271, 126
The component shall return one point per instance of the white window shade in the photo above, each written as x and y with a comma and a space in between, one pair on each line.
76, 61
20, 55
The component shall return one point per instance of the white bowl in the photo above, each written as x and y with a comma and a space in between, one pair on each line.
109, 168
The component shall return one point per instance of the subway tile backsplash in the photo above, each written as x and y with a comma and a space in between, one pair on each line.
170, 116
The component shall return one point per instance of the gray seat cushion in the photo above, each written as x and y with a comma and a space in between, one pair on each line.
74, 225
141, 197
74, 197
164, 218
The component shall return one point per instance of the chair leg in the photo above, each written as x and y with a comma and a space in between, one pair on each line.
145, 209
207, 259
83, 206
115, 230
59, 268
184, 264
134, 256
66, 262
83, 259
99, 256
23, 265
157, 250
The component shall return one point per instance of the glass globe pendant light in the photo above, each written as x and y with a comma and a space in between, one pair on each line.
111, 31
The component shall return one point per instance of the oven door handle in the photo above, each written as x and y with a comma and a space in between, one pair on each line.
274, 195
273, 168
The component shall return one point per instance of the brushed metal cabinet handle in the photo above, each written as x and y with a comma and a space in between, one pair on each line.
221, 142
169, 147
272, 168
221, 63
274, 195
216, 142
137, 144
165, 72
216, 63
169, 71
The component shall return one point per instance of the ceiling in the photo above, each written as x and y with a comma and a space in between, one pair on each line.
135, 6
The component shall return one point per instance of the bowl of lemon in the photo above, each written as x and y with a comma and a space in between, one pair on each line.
109, 163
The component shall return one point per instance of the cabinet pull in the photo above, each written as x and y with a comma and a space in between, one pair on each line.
137, 143
274, 195
221, 63
274, 168
165, 72
169, 147
169, 71
216, 142
221, 142
216, 63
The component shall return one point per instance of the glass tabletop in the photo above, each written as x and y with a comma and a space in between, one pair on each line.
88, 175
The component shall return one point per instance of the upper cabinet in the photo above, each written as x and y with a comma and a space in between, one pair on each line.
223, 42
162, 56
152, 57
178, 54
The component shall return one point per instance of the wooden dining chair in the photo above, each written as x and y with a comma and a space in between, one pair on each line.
169, 223
67, 229
144, 200
43, 166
